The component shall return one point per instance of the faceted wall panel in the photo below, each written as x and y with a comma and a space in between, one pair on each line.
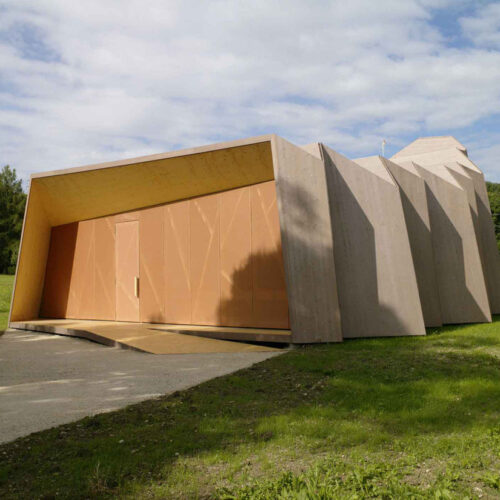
489, 250
438, 154
376, 279
461, 283
307, 240
416, 212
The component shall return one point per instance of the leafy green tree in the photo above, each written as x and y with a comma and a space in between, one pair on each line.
494, 196
12, 203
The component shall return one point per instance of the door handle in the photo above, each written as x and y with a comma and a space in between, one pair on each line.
136, 286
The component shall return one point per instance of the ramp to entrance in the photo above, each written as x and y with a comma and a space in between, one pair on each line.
160, 338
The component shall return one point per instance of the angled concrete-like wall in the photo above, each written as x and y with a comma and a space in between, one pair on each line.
376, 280
489, 250
473, 184
434, 153
429, 145
465, 182
416, 213
307, 242
461, 284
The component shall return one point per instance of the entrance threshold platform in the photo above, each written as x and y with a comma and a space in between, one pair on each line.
158, 338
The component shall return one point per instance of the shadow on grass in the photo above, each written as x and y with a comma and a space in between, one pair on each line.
366, 392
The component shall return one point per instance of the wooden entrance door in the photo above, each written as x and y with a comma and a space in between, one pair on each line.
127, 271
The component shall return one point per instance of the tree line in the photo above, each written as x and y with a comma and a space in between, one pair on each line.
13, 202
494, 196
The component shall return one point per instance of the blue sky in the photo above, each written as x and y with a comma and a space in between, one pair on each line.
84, 82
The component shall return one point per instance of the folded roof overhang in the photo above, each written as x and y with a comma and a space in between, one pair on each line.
64, 196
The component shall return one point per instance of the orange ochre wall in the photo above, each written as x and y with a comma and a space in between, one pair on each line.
211, 260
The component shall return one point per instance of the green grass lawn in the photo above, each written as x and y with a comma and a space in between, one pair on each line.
6, 283
383, 418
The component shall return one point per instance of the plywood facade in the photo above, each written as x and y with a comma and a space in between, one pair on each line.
72, 195
210, 260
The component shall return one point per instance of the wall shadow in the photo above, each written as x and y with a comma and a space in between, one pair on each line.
257, 296
423, 262
264, 271
59, 268
362, 313
458, 305
491, 255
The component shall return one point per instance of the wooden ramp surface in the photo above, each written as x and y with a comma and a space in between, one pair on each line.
160, 338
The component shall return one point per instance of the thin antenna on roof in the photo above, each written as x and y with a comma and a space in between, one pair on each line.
383, 147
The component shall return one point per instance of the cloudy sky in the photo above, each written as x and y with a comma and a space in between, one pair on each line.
95, 80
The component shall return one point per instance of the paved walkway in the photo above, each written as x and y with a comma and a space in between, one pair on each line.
158, 338
48, 380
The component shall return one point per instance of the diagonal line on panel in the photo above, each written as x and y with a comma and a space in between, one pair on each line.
226, 276
131, 298
204, 218
102, 283
271, 205
211, 231
233, 217
266, 213
149, 279
179, 249
100, 276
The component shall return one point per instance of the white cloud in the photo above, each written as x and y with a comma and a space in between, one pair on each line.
89, 81
483, 28
486, 156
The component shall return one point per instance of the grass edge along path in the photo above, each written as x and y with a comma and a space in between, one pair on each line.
6, 283
380, 418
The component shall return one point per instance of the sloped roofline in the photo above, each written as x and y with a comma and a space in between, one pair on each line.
159, 156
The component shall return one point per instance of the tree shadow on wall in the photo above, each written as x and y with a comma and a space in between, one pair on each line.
362, 314
257, 293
